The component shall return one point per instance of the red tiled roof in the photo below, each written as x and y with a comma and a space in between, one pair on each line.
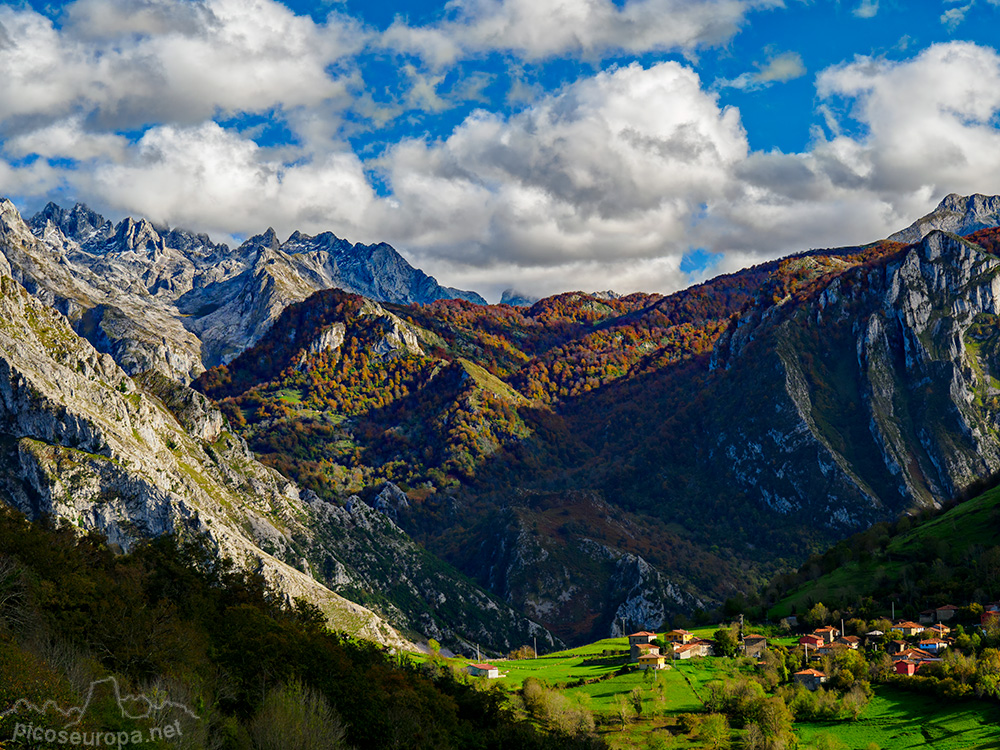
642, 632
813, 672
483, 666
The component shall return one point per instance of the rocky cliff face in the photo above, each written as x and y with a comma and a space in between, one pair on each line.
362, 554
878, 395
84, 442
174, 301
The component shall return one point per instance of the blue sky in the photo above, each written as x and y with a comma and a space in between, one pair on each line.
540, 144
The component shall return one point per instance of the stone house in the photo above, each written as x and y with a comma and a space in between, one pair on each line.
754, 646
811, 679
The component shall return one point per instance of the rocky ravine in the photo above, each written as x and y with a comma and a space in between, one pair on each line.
84, 442
176, 302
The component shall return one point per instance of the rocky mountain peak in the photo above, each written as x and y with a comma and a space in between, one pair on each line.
267, 240
79, 223
958, 214
137, 235
512, 296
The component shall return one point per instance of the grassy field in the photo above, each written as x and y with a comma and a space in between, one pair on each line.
898, 720
894, 720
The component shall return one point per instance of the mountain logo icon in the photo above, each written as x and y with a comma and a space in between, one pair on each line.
135, 707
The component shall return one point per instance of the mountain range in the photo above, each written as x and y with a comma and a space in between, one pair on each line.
176, 302
560, 468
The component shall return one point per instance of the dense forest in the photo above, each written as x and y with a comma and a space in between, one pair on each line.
172, 621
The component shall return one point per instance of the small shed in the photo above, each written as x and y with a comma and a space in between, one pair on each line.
488, 671
906, 667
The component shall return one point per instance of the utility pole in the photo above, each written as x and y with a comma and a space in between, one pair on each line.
478, 657
536, 646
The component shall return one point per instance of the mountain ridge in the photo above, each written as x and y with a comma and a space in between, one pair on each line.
172, 300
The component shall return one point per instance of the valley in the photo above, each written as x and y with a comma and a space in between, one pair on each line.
408, 465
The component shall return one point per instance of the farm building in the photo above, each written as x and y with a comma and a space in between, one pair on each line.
483, 670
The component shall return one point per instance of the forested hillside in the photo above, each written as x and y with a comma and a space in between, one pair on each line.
248, 667
478, 412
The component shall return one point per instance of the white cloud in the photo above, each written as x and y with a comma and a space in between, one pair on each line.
213, 179
866, 9
606, 174
607, 182
928, 128
567, 195
953, 17
537, 29
781, 68
930, 120
68, 139
127, 63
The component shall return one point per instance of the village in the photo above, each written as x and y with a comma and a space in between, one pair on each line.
910, 645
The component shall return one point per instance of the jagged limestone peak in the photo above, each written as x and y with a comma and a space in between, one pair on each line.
959, 214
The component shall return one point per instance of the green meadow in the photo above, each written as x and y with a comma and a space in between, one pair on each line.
589, 677
899, 720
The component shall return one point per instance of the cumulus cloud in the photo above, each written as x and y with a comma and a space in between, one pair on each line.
536, 29
608, 171
123, 64
582, 186
208, 177
928, 129
608, 181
